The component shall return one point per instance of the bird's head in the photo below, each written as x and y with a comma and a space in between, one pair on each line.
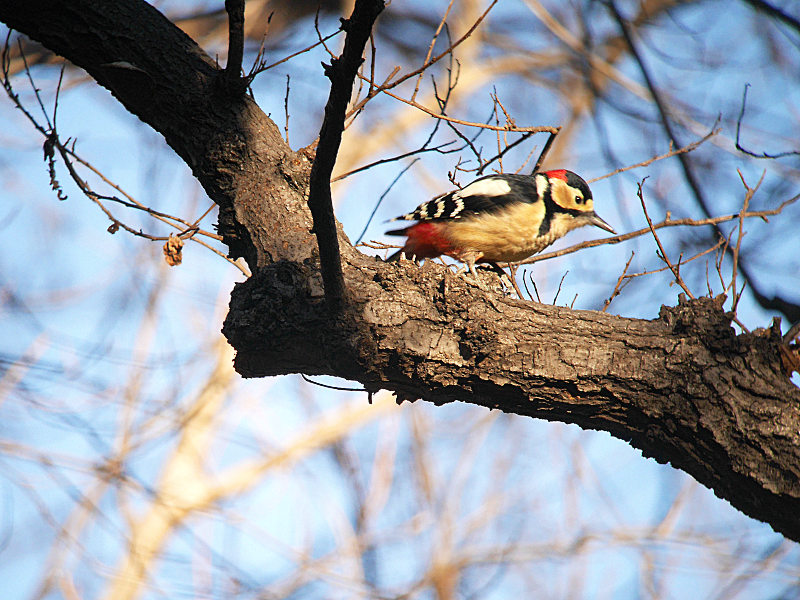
573, 197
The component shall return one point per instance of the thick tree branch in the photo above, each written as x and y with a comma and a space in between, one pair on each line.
683, 388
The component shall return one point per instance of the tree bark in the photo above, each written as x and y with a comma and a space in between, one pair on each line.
683, 388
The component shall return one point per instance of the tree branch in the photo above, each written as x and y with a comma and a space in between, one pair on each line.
342, 73
683, 388
775, 13
233, 68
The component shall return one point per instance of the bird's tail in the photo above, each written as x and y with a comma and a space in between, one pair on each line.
402, 231
396, 255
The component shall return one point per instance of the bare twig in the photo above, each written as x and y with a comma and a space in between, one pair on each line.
716, 246
331, 387
672, 152
33, 85
668, 222
560, 283
423, 148
387, 85
286, 109
383, 195
440, 149
186, 229
662, 253
261, 68
504, 151
739, 127
430, 48
619, 285
508, 127
513, 270
535, 289
789, 309
545, 150
737, 248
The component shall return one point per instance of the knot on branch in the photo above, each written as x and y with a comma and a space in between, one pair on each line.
330, 69
270, 305
703, 318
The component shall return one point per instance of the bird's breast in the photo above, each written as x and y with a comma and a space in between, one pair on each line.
508, 235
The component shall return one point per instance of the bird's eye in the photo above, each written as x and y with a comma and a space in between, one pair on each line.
578, 200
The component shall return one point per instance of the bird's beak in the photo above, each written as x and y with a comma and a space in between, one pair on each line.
594, 219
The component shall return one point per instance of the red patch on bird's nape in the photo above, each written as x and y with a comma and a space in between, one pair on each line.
558, 174
425, 241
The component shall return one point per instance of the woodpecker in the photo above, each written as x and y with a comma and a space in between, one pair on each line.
499, 218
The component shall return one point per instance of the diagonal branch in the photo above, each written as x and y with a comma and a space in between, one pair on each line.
775, 12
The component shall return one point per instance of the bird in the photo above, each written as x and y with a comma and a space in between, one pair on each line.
499, 218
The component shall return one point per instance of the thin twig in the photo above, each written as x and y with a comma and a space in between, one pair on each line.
383, 161
668, 222
618, 286
387, 85
688, 148
383, 195
331, 387
513, 268
739, 127
716, 246
286, 109
511, 128
505, 150
790, 309
187, 230
321, 41
33, 85
421, 149
663, 253
430, 48
545, 150
749, 192
559, 287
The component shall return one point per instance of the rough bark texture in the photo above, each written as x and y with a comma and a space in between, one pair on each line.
683, 388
